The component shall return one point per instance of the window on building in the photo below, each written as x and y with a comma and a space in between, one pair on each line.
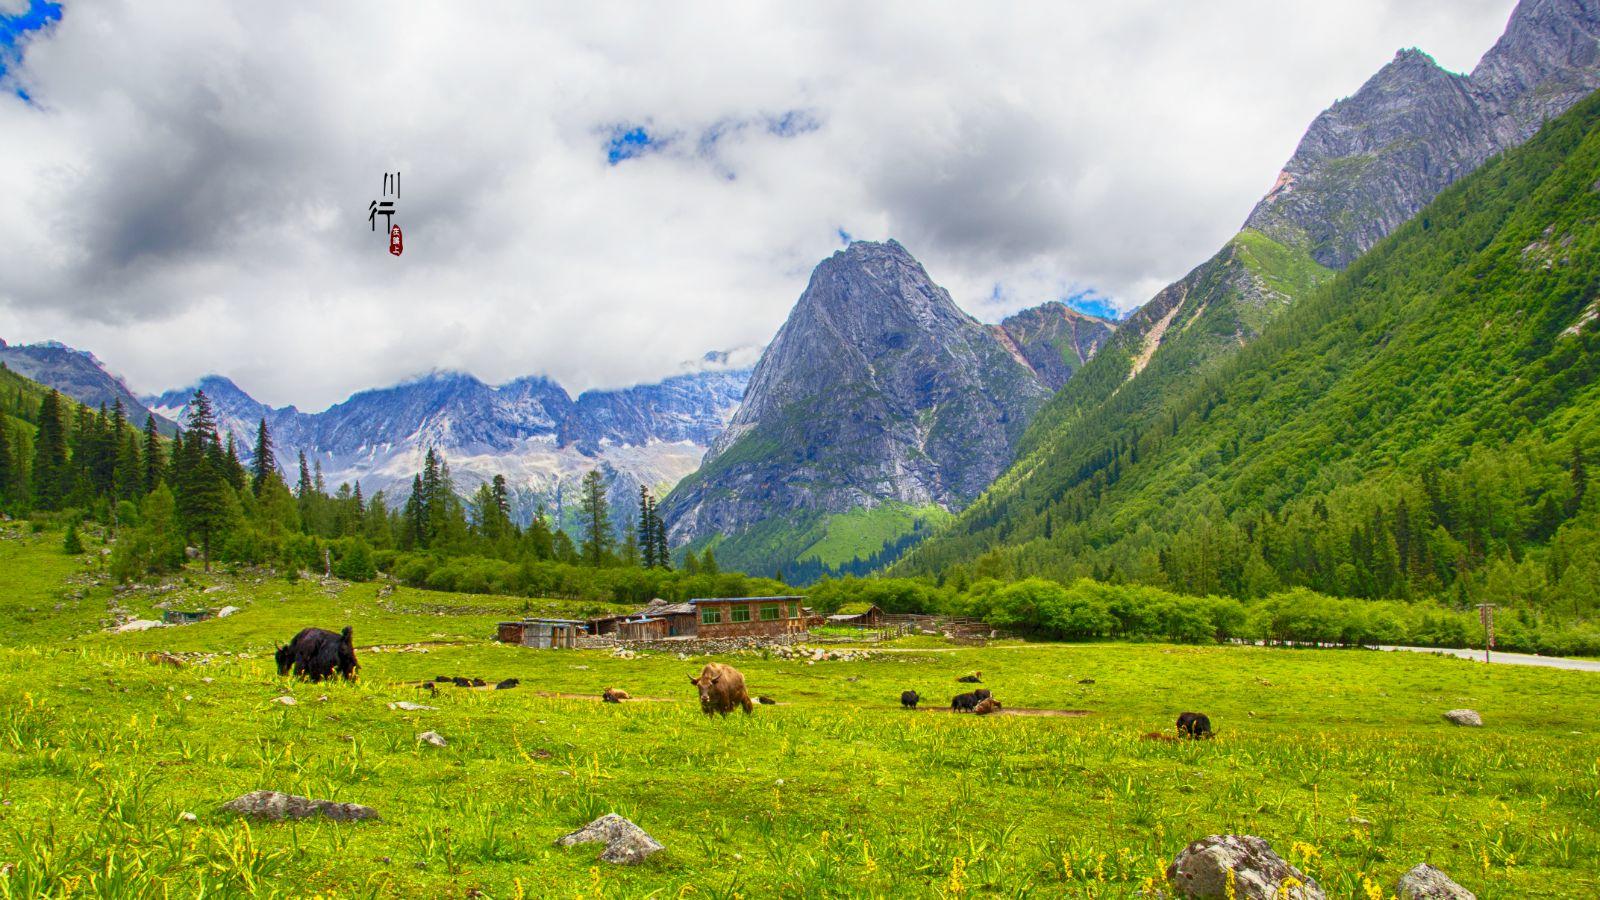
710, 615
739, 614
794, 610
769, 612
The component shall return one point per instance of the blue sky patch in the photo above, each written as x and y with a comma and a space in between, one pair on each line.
845, 237
1091, 303
15, 32
631, 142
793, 123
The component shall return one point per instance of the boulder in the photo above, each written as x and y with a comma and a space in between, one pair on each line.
1468, 717
275, 806
432, 738
1424, 882
226, 611
626, 843
1201, 870
139, 625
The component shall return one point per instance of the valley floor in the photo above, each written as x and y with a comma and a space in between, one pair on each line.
1341, 760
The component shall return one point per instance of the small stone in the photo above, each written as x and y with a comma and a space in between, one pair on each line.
433, 738
275, 806
1424, 882
188, 817
286, 700
227, 611
1201, 870
1467, 717
626, 843
409, 706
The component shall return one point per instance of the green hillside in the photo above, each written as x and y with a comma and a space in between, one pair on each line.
1422, 424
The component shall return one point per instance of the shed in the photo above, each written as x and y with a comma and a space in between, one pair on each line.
542, 634
866, 615
748, 616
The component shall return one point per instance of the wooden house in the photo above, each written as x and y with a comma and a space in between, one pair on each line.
186, 616
542, 634
861, 615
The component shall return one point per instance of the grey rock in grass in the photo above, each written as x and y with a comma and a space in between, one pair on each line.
286, 700
1468, 717
1201, 870
227, 611
276, 806
408, 706
433, 738
1424, 882
139, 625
626, 843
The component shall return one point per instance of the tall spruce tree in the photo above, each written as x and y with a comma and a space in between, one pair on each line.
155, 463
51, 473
203, 491
597, 536
8, 468
262, 464
647, 532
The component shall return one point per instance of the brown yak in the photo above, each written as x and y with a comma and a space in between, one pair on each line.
615, 695
986, 706
721, 689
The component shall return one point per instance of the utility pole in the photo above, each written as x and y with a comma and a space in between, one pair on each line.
1486, 616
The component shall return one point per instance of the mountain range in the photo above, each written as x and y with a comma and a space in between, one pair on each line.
78, 374
530, 430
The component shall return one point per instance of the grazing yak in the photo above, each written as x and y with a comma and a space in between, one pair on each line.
1194, 725
909, 699
721, 689
316, 653
967, 702
974, 678
615, 695
508, 684
766, 701
986, 705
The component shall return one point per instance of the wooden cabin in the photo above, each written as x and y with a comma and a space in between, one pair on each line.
542, 634
860, 615
186, 616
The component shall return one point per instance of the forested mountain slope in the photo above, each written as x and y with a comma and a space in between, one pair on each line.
1421, 424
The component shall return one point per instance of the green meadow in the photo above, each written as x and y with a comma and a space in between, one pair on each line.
1339, 758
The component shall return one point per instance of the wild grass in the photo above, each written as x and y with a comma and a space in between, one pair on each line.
1339, 758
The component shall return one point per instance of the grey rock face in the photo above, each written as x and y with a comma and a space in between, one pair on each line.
1054, 340
1201, 870
432, 739
275, 806
878, 387
626, 843
1424, 882
1371, 161
1467, 717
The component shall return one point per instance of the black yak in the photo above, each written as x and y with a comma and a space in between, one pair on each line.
316, 653
1194, 725
721, 689
966, 702
974, 678
508, 684
909, 699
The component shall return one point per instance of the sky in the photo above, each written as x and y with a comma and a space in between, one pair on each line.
600, 192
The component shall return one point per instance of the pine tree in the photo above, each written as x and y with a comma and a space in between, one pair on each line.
597, 536
663, 554
50, 469
691, 565
646, 530
8, 469
708, 563
155, 465
414, 521
232, 468
1580, 480
204, 497
262, 465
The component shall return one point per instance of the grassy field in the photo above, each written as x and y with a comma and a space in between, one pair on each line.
1339, 758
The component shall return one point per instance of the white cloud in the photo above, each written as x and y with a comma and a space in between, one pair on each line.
189, 191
